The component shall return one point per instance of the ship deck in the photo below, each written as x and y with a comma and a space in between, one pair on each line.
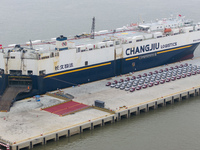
47, 45
108, 36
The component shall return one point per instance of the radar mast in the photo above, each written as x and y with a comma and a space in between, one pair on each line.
93, 28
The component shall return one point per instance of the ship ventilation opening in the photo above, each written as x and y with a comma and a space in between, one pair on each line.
1, 71
22, 81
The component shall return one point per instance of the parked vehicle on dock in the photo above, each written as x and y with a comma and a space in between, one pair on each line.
108, 83
132, 89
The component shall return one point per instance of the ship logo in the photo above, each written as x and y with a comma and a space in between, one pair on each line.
64, 43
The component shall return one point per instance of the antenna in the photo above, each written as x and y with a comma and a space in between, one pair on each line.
93, 28
31, 45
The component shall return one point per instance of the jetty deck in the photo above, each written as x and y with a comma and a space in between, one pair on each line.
27, 124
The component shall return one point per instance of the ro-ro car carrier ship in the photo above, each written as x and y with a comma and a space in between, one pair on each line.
45, 65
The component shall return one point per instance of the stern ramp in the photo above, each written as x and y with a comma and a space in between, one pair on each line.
9, 95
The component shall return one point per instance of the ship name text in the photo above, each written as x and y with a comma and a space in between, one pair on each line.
141, 49
62, 67
168, 45
148, 47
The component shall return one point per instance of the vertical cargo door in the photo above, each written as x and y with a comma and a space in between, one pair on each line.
118, 61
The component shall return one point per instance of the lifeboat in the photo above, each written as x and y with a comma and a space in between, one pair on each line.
167, 30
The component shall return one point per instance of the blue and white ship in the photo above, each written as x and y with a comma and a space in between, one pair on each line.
46, 65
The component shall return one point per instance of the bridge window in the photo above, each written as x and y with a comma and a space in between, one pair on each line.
52, 54
56, 54
78, 50
138, 40
45, 57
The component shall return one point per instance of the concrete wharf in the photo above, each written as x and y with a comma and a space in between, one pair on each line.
27, 125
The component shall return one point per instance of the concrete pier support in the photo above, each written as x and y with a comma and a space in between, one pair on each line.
198, 91
113, 119
68, 133
92, 126
147, 108
138, 111
118, 117
172, 100
181, 97
81, 130
156, 105
164, 102
102, 122
129, 114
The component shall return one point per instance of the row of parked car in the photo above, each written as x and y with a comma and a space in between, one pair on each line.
155, 78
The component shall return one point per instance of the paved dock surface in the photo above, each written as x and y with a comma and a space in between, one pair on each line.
115, 98
27, 121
